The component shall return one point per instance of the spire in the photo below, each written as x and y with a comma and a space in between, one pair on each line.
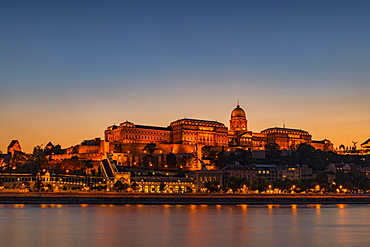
238, 104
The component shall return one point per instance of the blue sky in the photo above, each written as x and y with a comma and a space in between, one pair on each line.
68, 69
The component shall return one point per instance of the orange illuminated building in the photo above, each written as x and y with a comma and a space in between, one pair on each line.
187, 135
287, 139
182, 136
128, 132
183, 131
240, 136
192, 131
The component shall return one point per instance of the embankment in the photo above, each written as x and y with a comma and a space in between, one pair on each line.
182, 199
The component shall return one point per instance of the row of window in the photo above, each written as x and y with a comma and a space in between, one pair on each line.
208, 179
153, 138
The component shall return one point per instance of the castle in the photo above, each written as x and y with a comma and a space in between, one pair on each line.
186, 134
127, 142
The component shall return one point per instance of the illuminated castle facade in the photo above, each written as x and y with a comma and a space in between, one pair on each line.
186, 135
182, 136
240, 136
183, 131
287, 139
127, 141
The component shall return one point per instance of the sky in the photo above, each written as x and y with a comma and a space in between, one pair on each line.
69, 69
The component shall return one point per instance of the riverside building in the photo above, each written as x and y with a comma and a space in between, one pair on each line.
128, 142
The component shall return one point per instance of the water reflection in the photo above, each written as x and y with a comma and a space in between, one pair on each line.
184, 225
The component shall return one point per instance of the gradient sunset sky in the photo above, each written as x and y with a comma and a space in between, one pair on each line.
69, 69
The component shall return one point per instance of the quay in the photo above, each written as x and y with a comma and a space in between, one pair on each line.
179, 199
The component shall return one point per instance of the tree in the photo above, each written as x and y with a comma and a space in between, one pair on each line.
208, 152
359, 180
135, 186
86, 164
322, 178
120, 186
36, 161
71, 165
260, 184
150, 148
284, 185
273, 149
38, 184
212, 186
150, 159
171, 160
235, 183
162, 186
340, 178
190, 160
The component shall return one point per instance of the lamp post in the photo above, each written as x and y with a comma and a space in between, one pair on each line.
293, 188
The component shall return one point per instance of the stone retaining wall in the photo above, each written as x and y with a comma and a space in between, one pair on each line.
46, 198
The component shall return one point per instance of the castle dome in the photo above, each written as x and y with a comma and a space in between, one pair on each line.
238, 112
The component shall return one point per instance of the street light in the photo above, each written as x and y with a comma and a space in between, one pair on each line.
293, 188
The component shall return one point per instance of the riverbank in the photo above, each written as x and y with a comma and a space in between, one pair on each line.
179, 199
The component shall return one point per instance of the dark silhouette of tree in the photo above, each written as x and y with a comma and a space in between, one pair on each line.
162, 186
212, 186
359, 180
260, 184
208, 152
36, 161
189, 160
305, 151
120, 186
38, 183
273, 149
240, 155
235, 183
150, 148
150, 159
340, 178
322, 178
171, 160
283, 185
135, 186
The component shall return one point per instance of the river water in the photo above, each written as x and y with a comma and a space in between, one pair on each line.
184, 225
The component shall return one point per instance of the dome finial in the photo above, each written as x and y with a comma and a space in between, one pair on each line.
238, 112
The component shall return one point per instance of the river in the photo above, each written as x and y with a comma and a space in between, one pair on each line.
184, 225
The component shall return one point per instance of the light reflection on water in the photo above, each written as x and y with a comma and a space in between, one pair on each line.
184, 225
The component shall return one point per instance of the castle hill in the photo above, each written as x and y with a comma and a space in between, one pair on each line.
190, 161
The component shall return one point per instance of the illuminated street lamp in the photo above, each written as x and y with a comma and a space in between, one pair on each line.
293, 188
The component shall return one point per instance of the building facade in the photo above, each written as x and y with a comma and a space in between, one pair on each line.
287, 139
127, 142
201, 132
240, 136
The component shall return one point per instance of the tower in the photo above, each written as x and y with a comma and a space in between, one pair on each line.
238, 120
238, 132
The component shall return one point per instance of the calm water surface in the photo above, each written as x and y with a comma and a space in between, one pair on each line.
190, 225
